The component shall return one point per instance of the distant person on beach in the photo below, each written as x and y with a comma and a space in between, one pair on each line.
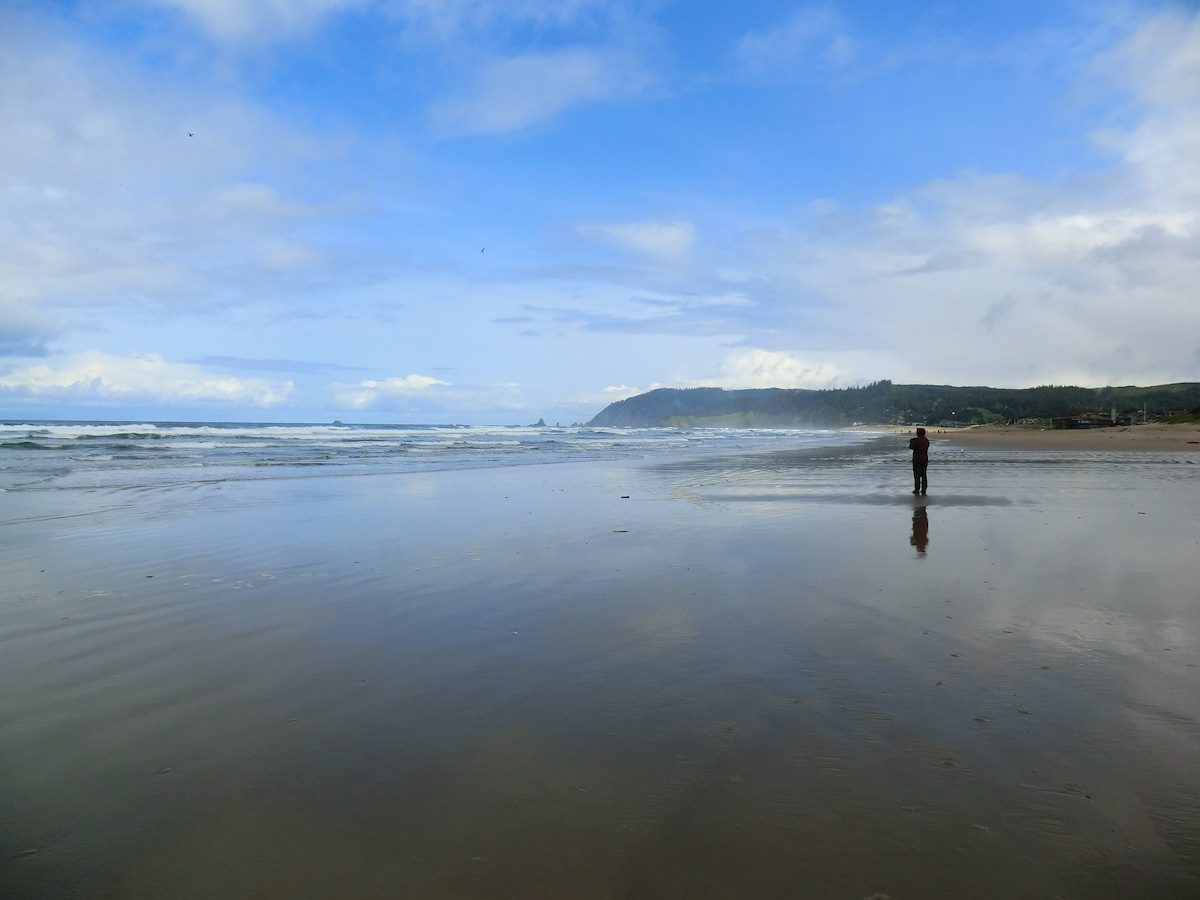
920, 448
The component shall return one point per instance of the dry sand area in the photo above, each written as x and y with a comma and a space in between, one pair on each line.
1160, 438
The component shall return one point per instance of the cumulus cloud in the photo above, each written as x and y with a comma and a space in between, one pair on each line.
755, 368
1077, 283
514, 92
746, 368
658, 238
621, 391
94, 377
611, 394
1002, 278
371, 393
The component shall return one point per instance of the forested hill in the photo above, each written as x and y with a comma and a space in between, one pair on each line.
884, 403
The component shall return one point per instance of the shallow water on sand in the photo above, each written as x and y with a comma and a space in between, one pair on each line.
770, 675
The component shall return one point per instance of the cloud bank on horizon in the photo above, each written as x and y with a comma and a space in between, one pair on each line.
486, 211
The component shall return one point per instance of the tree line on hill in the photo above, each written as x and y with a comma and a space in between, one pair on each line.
883, 402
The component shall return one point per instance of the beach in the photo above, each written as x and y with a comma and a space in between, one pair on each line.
1153, 437
767, 673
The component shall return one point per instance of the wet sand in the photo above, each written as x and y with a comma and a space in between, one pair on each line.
779, 676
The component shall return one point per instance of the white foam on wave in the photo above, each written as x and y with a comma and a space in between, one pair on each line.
119, 454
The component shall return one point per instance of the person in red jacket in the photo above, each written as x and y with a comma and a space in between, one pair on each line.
920, 448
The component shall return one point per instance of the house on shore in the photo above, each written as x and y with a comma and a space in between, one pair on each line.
1084, 420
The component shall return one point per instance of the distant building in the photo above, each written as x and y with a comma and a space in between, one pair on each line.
1084, 420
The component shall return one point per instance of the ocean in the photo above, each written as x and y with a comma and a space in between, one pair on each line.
42, 455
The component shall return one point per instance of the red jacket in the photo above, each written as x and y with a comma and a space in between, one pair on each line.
920, 448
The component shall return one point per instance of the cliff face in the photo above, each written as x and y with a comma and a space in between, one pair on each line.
883, 403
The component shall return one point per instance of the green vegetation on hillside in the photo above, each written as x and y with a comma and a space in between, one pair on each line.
885, 403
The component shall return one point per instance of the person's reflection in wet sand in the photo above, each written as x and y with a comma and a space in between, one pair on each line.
920, 532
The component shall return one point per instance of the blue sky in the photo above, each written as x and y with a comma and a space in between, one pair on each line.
498, 210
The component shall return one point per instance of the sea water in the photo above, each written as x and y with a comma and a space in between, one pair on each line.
42, 455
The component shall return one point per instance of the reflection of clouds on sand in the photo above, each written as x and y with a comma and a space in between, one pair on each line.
642, 632
1088, 571
420, 485
663, 627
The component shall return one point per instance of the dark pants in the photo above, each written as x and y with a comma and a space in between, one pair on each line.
920, 482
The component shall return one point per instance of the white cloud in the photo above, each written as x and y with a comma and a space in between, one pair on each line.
810, 36
99, 378
239, 20
621, 391
507, 94
423, 397
1160, 60
750, 368
106, 202
756, 368
371, 393
276, 20
610, 394
1160, 65
999, 278
452, 19
106, 199
664, 239
23, 332
519, 63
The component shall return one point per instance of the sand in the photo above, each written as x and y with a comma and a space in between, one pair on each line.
1160, 438
769, 677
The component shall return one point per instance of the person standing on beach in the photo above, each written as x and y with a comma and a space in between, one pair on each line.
920, 448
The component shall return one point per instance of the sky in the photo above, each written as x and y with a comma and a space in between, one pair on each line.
495, 211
